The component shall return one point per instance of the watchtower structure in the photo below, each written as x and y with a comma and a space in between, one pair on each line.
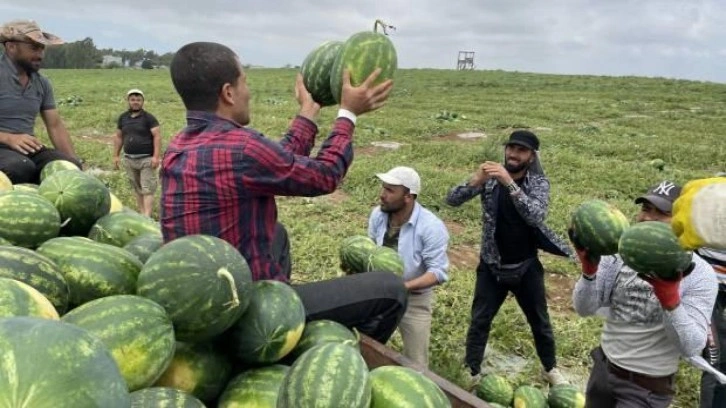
465, 60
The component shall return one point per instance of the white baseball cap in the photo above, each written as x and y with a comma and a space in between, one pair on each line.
402, 176
134, 92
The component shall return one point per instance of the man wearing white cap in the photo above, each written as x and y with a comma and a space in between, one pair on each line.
421, 239
23, 94
137, 131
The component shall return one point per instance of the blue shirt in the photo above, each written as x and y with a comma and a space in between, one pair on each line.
422, 242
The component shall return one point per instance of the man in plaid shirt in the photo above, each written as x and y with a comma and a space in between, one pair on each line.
220, 178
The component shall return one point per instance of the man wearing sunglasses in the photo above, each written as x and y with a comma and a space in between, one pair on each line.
23, 94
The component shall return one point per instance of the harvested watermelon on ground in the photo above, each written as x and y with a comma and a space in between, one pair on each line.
119, 228
565, 396
116, 204
527, 396
144, 245
81, 199
163, 397
201, 281
46, 362
26, 187
7, 185
137, 331
20, 299
257, 387
271, 326
316, 70
651, 249
339, 367
361, 54
403, 387
319, 332
355, 252
385, 259
36, 270
597, 226
93, 270
495, 388
57, 166
200, 369
27, 219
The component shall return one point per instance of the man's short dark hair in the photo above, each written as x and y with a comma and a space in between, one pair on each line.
199, 70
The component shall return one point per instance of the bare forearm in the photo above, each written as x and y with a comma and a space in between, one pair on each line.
157, 144
61, 139
117, 144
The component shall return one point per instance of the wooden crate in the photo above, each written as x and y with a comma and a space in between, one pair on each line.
376, 354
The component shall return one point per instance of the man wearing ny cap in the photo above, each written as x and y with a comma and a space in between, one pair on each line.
23, 94
514, 202
421, 239
137, 132
649, 324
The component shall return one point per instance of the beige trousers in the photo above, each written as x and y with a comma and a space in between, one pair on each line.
415, 327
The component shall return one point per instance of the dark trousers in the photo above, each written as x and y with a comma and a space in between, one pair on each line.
713, 393
605, 389
373, 303
489, 295
26, 169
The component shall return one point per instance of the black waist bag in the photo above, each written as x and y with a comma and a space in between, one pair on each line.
511, 274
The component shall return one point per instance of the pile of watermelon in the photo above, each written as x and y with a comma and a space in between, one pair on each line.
96, 311
359, 254
361, 54
498, 392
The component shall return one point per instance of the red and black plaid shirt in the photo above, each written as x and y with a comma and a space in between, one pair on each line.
219, 178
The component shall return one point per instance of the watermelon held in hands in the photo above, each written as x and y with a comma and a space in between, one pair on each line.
355, 252
565, 396
362, 54
495, 388
385, 259
651, 249
597, 226
316, 70
403, 387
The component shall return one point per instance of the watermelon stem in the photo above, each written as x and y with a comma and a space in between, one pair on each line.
383, 25
224, 273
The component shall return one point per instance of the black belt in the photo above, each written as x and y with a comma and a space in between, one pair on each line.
658, 385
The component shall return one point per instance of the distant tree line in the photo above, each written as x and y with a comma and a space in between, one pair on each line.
85, 54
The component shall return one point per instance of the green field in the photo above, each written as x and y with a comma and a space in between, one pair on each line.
598, 136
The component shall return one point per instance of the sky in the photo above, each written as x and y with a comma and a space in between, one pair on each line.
683, 39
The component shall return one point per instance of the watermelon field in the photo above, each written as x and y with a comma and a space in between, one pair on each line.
601, 138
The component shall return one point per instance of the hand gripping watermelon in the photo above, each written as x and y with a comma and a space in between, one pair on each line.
361, 54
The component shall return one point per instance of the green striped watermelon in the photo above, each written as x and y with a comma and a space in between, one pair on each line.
272, 324
163, 397
144, 245
203, 283
20, 299
495, 388
136, 330
36, 270
316, 70
258, 387
81, 199
7, 185
597, 226
26, 187
93, 270
57, 166
361, 54
199, 369
495, 405
46, 363
651, 249
320, 332
330, 375
402, 387
527, 396
119, 228
27, 219
355, 252
385, 259
565, 396
4, 241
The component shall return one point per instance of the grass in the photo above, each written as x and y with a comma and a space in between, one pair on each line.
598, 135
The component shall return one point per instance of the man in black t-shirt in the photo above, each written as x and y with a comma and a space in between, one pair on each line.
138, 134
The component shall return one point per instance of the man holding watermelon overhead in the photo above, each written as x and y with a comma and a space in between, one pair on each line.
651, 321
421, 239
220, 178
514, 198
